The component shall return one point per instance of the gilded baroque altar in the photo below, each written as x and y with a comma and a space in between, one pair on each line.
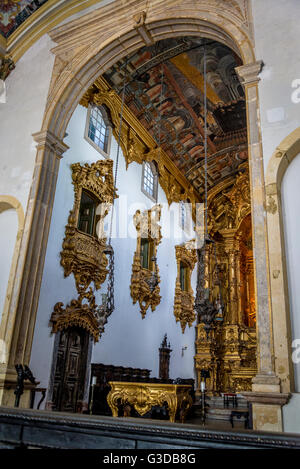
143, 396
229, 352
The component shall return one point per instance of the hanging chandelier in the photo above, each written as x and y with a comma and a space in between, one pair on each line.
108, 305
207, 311
153, 281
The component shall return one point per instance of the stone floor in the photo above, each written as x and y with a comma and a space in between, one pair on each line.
216, 424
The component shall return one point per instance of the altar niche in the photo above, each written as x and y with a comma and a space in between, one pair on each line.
70, 365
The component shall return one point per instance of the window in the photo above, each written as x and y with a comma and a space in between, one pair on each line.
149, 180
184, 277
185, 216
98, 129
147, 253
182, 215
87, 213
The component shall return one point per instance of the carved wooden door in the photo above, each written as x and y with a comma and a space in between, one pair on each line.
69, 380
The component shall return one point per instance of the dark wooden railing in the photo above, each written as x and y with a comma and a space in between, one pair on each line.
44, 429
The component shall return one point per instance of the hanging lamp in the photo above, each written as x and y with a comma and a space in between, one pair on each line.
108, 306
206, 310
153, 281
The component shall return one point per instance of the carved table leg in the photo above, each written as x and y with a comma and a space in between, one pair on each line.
185, 405
112, 399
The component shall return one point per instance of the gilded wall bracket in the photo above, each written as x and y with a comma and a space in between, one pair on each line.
83, 254
186, 259
77, 313
148, 237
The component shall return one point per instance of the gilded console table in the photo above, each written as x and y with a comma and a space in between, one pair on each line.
142, 396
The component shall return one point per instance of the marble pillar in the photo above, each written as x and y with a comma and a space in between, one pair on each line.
265, 397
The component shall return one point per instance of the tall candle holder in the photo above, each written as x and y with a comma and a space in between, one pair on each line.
93, 384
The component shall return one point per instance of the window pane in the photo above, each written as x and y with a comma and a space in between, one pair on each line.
145, 253
183, 277
149, 180
87, 213
98, 130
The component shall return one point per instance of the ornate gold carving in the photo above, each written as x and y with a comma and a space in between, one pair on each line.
206, 357
97, 178
138, 145
271, 207
147, 226
77, 314
226, 211
230, 352
184, 300
143, 396
82, 254
6, 66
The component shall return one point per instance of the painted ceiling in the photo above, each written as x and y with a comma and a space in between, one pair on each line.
14, 12
165, 91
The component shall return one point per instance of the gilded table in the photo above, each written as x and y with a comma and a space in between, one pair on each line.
142, 396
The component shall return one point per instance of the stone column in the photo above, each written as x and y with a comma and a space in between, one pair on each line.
32, 255
266, 385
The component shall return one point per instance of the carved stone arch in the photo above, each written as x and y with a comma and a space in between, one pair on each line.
283, 155
87, 47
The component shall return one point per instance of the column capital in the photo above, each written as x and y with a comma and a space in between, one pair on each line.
45, 138
248, 74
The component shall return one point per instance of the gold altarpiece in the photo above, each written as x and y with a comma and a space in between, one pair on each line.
229, 353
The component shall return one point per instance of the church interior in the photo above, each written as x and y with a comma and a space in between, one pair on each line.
148, 215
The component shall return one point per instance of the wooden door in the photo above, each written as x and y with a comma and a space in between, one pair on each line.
70, 372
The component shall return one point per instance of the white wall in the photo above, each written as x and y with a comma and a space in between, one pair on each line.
291, 218
20, 116
276, 34
26, 92
8, 234
128, 339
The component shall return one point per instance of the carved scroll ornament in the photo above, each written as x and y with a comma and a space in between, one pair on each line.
85, 315
184, 300
147, 227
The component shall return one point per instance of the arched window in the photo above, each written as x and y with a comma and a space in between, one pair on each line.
98, 129
149, 180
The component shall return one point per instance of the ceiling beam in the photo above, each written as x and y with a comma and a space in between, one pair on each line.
187, 106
